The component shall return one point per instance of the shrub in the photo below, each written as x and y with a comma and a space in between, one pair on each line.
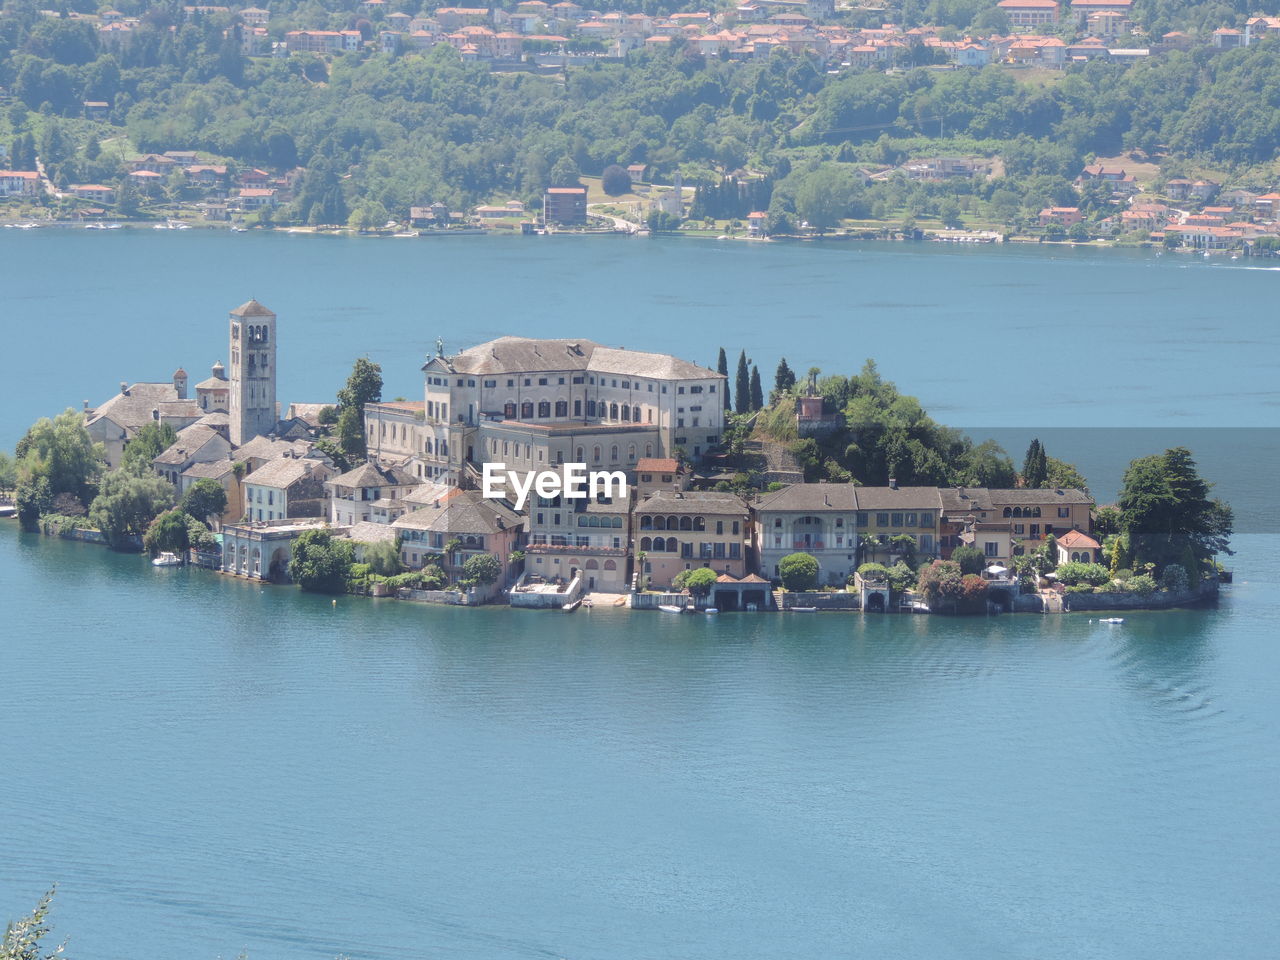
321, 563
1094, 574
799, 572
939, 583
1174, 579
1144, 584
901, 577
699, 582
482, 568
1080, 588
874, 572
970, 559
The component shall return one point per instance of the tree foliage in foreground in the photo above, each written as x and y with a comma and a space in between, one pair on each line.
321, 562
23, 938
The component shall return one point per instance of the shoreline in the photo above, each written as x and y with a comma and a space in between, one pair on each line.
1207, 595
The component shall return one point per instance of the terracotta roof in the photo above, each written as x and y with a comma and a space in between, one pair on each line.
1076, 539
657, 465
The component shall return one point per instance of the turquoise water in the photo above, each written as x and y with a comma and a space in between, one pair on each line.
205, 765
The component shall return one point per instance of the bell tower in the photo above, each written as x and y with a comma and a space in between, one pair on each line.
252, 373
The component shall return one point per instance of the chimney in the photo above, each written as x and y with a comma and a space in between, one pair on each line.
893, 483
155, 414
124, 388
86, 406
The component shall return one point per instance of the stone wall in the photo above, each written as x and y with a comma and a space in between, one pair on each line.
651, 601
1160, 600
823, 601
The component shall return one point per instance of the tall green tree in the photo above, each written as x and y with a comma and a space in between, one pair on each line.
799, 571
742, 386
1035, 466
151, 440
127, 502
204, 499
784, 379
722, 367
1166, 510
363, 386
757, 390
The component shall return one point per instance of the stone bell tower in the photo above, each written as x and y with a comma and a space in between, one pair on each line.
252, 373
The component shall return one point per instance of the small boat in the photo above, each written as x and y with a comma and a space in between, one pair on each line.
802, 609
570, 607
711, 611
239, 229
670, 608
167, 559
1112, 620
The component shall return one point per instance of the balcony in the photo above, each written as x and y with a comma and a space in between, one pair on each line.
815, 545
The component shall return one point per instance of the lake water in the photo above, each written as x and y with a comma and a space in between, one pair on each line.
205, 765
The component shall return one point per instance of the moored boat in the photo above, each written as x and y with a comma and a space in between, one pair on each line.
167, 559
670, 608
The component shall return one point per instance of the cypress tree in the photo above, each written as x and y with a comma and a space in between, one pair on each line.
742, 386
722, 366
757, 392
784, 379
1035, 466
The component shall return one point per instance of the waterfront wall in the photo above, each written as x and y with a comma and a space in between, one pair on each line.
823, 601
651, 601
1207, 592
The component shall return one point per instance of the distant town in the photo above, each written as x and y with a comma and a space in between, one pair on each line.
729, 503
1126, 200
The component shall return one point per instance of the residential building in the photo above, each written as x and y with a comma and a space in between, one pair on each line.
819, 519
115, 422
214, 394
565, 205
590, 537
19, 183
97, 192
222, 472
1063, 216
659, 473
286, 488
197, 443
1077, 547
262, 550
685, 530
1029, 13
476, 523
367, 493
886, 513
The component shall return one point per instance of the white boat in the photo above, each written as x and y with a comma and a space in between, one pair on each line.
167, 559
802, 609
670, 608
711, 611
114, 226
571, 606
1112, 620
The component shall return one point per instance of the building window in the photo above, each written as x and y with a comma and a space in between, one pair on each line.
991, 548
1064, 512
897, 520
491, 383
862, 519
526, 410
544, 409
562, 409
882, 519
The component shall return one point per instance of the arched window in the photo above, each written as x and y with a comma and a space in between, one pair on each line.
646, 544
593, 564
686, 523
1008, 511
610, 565
673, 523
562, 409
635, 414
1035, 512
659, 523
591, 408
699, 524
509, 410
613, 411
614, 451
631, 453
648, 449
526, 410
544, 409
596, 452
672, 546
580, 455
264, 332
646, 523
617, 523
626, 413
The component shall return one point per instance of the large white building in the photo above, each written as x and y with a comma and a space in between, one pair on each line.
532, 404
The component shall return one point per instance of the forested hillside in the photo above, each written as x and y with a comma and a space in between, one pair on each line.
414, 128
